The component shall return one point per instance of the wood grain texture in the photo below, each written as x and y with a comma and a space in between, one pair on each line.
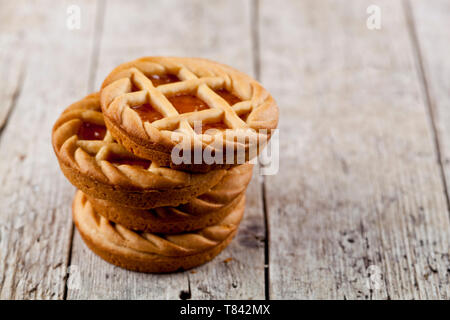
359, 193
430, 24
11, 58
35, 224
359, 208
237, 273
194, 29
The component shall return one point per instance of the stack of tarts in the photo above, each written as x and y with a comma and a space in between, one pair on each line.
160, 157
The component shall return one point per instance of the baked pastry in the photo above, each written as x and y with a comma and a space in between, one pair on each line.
165, 109
200, 212
148, 252
96, 164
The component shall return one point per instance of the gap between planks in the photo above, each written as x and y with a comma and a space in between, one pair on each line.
254, 25
14, 96
431, 108
10, 107
98, 29
367, 189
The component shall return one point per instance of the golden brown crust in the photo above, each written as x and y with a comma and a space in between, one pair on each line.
200, 212
147, 252
140, 264
156, 140
148, 150
86, 164
139, 199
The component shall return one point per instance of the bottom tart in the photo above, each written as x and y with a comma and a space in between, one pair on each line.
200, 212
148, 252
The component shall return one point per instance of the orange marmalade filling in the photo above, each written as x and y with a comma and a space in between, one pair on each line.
145, 164
190, 103
183, 103
90, 131
158, 80
163, 79
147, 113
228, 96
231, 99
187, 103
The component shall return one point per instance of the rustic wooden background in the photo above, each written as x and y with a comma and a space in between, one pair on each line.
360, 206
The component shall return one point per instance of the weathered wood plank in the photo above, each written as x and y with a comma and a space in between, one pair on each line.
238, 272
430, 24
190, 29
35, 222
359, 190
11, 58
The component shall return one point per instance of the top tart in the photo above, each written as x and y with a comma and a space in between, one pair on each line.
187, 113
95, 163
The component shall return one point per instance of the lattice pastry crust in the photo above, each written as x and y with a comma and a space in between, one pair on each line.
104, 169
148, 252
200, 212
245, 126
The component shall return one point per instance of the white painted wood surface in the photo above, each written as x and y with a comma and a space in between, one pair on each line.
364, 130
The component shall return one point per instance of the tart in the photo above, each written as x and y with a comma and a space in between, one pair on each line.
149, 252
200, 212
168, 110
95, 163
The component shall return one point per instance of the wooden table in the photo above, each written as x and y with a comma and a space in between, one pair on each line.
360, 206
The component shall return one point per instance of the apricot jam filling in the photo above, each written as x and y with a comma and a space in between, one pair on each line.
228, 96
158, 80
145, 164
231, 99
90, 131
147, 113
183, 103
187, 103
244, 116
